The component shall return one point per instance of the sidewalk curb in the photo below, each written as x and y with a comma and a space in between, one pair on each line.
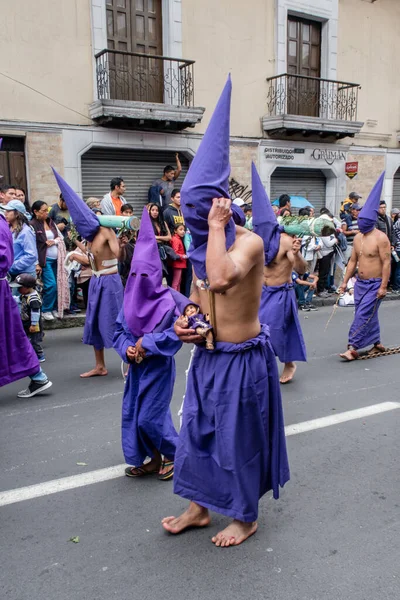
79, 320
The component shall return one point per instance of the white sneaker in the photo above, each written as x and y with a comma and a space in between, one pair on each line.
55, 314
47, 316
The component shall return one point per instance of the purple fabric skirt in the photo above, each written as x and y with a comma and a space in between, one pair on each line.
365, 329
18, 358
104, 303
278, 309
231, 448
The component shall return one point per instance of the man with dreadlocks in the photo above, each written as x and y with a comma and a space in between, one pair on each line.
371, 260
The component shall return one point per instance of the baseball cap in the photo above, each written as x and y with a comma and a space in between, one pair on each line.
354, 196
24, 280
238, 202
17, 205
355, 206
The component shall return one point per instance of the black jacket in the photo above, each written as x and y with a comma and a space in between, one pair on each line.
384, 224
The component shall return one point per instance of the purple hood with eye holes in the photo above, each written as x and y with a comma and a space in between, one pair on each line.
146, 300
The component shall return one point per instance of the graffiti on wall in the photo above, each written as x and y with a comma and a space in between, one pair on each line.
236, 190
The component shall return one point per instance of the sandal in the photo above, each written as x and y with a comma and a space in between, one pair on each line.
377, 349
139, 472
169, 475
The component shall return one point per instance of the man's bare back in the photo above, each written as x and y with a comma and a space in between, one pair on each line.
371, 250
104, 247
279, 271
236, 309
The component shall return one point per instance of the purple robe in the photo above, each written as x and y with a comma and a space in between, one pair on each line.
18, 358
231, 448
146, 414
278, 310
104, 303
198, 321
365, 329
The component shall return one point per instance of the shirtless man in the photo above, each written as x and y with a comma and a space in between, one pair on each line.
226, 451
371, 256
104, 297
279, 306
105, 289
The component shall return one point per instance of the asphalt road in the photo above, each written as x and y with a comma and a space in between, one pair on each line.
333, 535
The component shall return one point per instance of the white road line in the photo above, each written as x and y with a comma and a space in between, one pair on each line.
350, 415
75, 481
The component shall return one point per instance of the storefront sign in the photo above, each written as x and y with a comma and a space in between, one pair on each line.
351, 169
329, 156
279, 153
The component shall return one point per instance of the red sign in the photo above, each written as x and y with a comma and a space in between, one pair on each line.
351, 169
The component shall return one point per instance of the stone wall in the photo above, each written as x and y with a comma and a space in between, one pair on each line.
241, 156
370, 166
43, 151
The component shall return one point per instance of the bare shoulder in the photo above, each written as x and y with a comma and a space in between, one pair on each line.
249, 240
286, 241
381, 237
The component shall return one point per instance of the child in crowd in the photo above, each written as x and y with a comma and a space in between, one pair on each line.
179, 264
127, 210
305, 286
31, 304
347, 299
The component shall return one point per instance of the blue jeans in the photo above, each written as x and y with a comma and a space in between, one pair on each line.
304, 294
396, 278
39, 377
49, 276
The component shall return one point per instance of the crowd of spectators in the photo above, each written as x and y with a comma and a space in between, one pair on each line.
47, 247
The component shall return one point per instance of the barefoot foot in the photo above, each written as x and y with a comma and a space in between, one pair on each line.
349, 355
194, 516
96, 372
288, 372
236, 533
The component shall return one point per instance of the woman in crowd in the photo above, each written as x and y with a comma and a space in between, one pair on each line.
94, 203
20, 195
162, 233
25, 252
51, 256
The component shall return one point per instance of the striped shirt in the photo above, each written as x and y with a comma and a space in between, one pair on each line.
352, 225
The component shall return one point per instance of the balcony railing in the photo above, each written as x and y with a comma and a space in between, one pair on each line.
312, 97
136, 77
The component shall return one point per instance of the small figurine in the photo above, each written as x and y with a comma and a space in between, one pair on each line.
193, 319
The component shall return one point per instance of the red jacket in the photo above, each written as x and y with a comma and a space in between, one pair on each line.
179, 248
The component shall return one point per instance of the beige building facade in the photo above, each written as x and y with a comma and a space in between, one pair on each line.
104, 88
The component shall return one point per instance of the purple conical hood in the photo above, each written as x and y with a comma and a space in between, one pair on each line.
208, 178
146, 301
238, 215
265, 223
84, 219
369, 212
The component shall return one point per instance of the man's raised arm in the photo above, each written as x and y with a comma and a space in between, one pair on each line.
224, 270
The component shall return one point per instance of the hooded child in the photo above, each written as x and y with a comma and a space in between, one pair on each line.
231, 448
105, 288
145, 339
371, 259
278, 307
18, 358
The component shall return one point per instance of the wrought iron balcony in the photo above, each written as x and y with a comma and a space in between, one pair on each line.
312, 105
155, 91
